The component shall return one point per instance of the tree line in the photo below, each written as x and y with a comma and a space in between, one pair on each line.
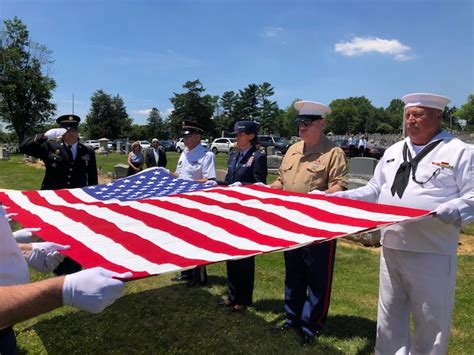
26, 107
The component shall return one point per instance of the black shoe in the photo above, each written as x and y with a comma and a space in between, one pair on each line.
180, 278
307, 340
226, 303
283, 327
238, 309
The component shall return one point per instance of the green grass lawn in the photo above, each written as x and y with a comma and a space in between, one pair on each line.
158, 316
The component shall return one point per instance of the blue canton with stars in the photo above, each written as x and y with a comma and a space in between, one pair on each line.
149, 183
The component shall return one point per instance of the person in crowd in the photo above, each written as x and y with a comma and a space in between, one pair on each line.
68, 162
135, 159
352, 146
430, 170
90, 290
246, 165
198, 164
362, 146
313, 163
155, 156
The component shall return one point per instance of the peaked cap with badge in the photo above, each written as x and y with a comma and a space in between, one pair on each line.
310, 110
191, 126
68, 121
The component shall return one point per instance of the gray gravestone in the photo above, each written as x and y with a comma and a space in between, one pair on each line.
120, 170
362, 166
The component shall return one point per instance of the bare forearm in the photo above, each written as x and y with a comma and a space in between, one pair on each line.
22, 302
334, 188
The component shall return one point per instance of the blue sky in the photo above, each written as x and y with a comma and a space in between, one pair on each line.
314, 50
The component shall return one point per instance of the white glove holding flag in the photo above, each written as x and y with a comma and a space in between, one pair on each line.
235, 184
94, 289
9, 216
54, 133
211, 183
317, 192
260, 184
44, 257
448, 213
342, 194
24, 235
163, 170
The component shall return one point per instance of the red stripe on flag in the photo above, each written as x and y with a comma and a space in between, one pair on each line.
313, 212
79, 252
161, 224
367, 206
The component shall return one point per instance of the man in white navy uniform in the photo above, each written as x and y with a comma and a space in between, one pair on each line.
198, 164
431, 170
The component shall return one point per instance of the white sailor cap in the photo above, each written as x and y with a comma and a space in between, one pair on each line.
426, 100
311, 110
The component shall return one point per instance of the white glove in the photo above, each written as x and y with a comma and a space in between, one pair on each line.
448, 213
54, 133
44, 257
163, 170
24, 235
342, 194
260, 184
211, 183
235, 184
94, 289
317, 192
9, 216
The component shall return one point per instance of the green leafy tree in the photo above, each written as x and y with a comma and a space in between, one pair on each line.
137, 132
269, 110
449, 118
247, 105
395, 112
466, 112
192, 104
26, 90
107, 117
155, 125
352, 115
286, 121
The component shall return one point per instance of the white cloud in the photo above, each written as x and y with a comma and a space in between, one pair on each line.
143, 112
167, 113
361, 45
272, 32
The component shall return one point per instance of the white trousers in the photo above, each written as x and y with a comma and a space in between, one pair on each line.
422, 284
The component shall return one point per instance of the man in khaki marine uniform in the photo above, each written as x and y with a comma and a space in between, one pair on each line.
313, 163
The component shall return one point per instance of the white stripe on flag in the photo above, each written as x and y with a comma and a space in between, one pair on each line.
100, 244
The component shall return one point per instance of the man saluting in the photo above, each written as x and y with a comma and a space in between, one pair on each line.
68, 162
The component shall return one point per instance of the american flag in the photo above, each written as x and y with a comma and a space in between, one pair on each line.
151, 223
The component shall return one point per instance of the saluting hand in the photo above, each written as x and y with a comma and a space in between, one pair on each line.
54, 133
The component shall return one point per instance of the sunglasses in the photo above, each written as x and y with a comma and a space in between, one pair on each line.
304, 123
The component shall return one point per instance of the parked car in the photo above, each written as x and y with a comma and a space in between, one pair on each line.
92, 143
123, 144
372, 151
167, 146
279, 143
180, 144
145, 144
223, 145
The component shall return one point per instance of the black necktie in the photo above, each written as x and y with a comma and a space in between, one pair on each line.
403, 173
69, 152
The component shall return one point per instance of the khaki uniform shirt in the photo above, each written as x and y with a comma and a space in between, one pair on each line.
321, 168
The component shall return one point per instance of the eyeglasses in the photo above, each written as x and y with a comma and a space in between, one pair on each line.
305, 123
